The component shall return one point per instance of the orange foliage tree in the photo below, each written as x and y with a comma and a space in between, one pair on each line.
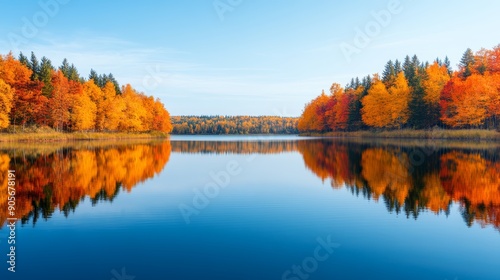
469, 102
27, 99
6, 96
314, 117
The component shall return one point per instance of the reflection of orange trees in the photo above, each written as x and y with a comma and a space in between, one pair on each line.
4, 166
475, 182
436, 198
387, 174
236, 147
63, 178
329, 160
469, 179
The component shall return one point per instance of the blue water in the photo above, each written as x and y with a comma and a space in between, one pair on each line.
269, 218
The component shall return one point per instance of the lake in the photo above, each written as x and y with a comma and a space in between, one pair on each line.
252, 207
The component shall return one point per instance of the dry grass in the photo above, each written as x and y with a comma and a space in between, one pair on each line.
434, 134
45, 134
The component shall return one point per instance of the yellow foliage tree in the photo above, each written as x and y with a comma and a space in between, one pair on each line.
83, 114
96, 96
113, 107
374, 111
399, 100
134, 110
149, 105
384, 107
6, 98
437, 77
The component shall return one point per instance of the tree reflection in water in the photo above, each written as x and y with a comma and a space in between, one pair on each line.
60, 178
470, 178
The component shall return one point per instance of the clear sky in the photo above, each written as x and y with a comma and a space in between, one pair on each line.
243, 57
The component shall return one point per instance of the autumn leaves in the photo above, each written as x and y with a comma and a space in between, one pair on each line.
387, 107
33, 94
413, 95
6, 96
471, 102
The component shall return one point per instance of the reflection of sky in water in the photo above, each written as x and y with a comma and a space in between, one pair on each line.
266, 220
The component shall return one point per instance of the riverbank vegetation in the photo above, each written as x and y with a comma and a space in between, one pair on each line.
47, 134
414, 95
436, 133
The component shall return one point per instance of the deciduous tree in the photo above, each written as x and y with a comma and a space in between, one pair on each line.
6, 98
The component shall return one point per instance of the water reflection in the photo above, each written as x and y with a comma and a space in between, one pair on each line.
50, 178
234, 147
412, 180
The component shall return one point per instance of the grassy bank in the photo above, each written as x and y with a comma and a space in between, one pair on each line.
49, 135
465, 134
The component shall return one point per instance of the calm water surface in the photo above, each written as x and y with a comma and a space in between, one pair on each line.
253, 208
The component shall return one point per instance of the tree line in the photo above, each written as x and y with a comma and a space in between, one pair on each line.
414, 95
234, 125
35, 93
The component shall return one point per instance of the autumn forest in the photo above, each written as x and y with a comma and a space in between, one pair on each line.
35, 93
413, 95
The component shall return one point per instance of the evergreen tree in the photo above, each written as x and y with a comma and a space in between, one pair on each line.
46, 70
69, 71
24, 60
409, 70
467, 63
65, 68
115, 83
72, 74
355, 121
414, 72
397, 67
94, 76
352, 84
389, 74
447, 63
35, 67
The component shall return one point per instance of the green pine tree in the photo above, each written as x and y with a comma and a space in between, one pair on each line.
467, 63
45, 75
35, 67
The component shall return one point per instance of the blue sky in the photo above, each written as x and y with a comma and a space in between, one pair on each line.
248, 57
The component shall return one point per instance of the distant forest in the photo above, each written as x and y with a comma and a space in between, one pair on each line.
221, 125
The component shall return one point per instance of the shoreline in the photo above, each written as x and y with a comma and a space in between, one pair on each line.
435, 134
44, 137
